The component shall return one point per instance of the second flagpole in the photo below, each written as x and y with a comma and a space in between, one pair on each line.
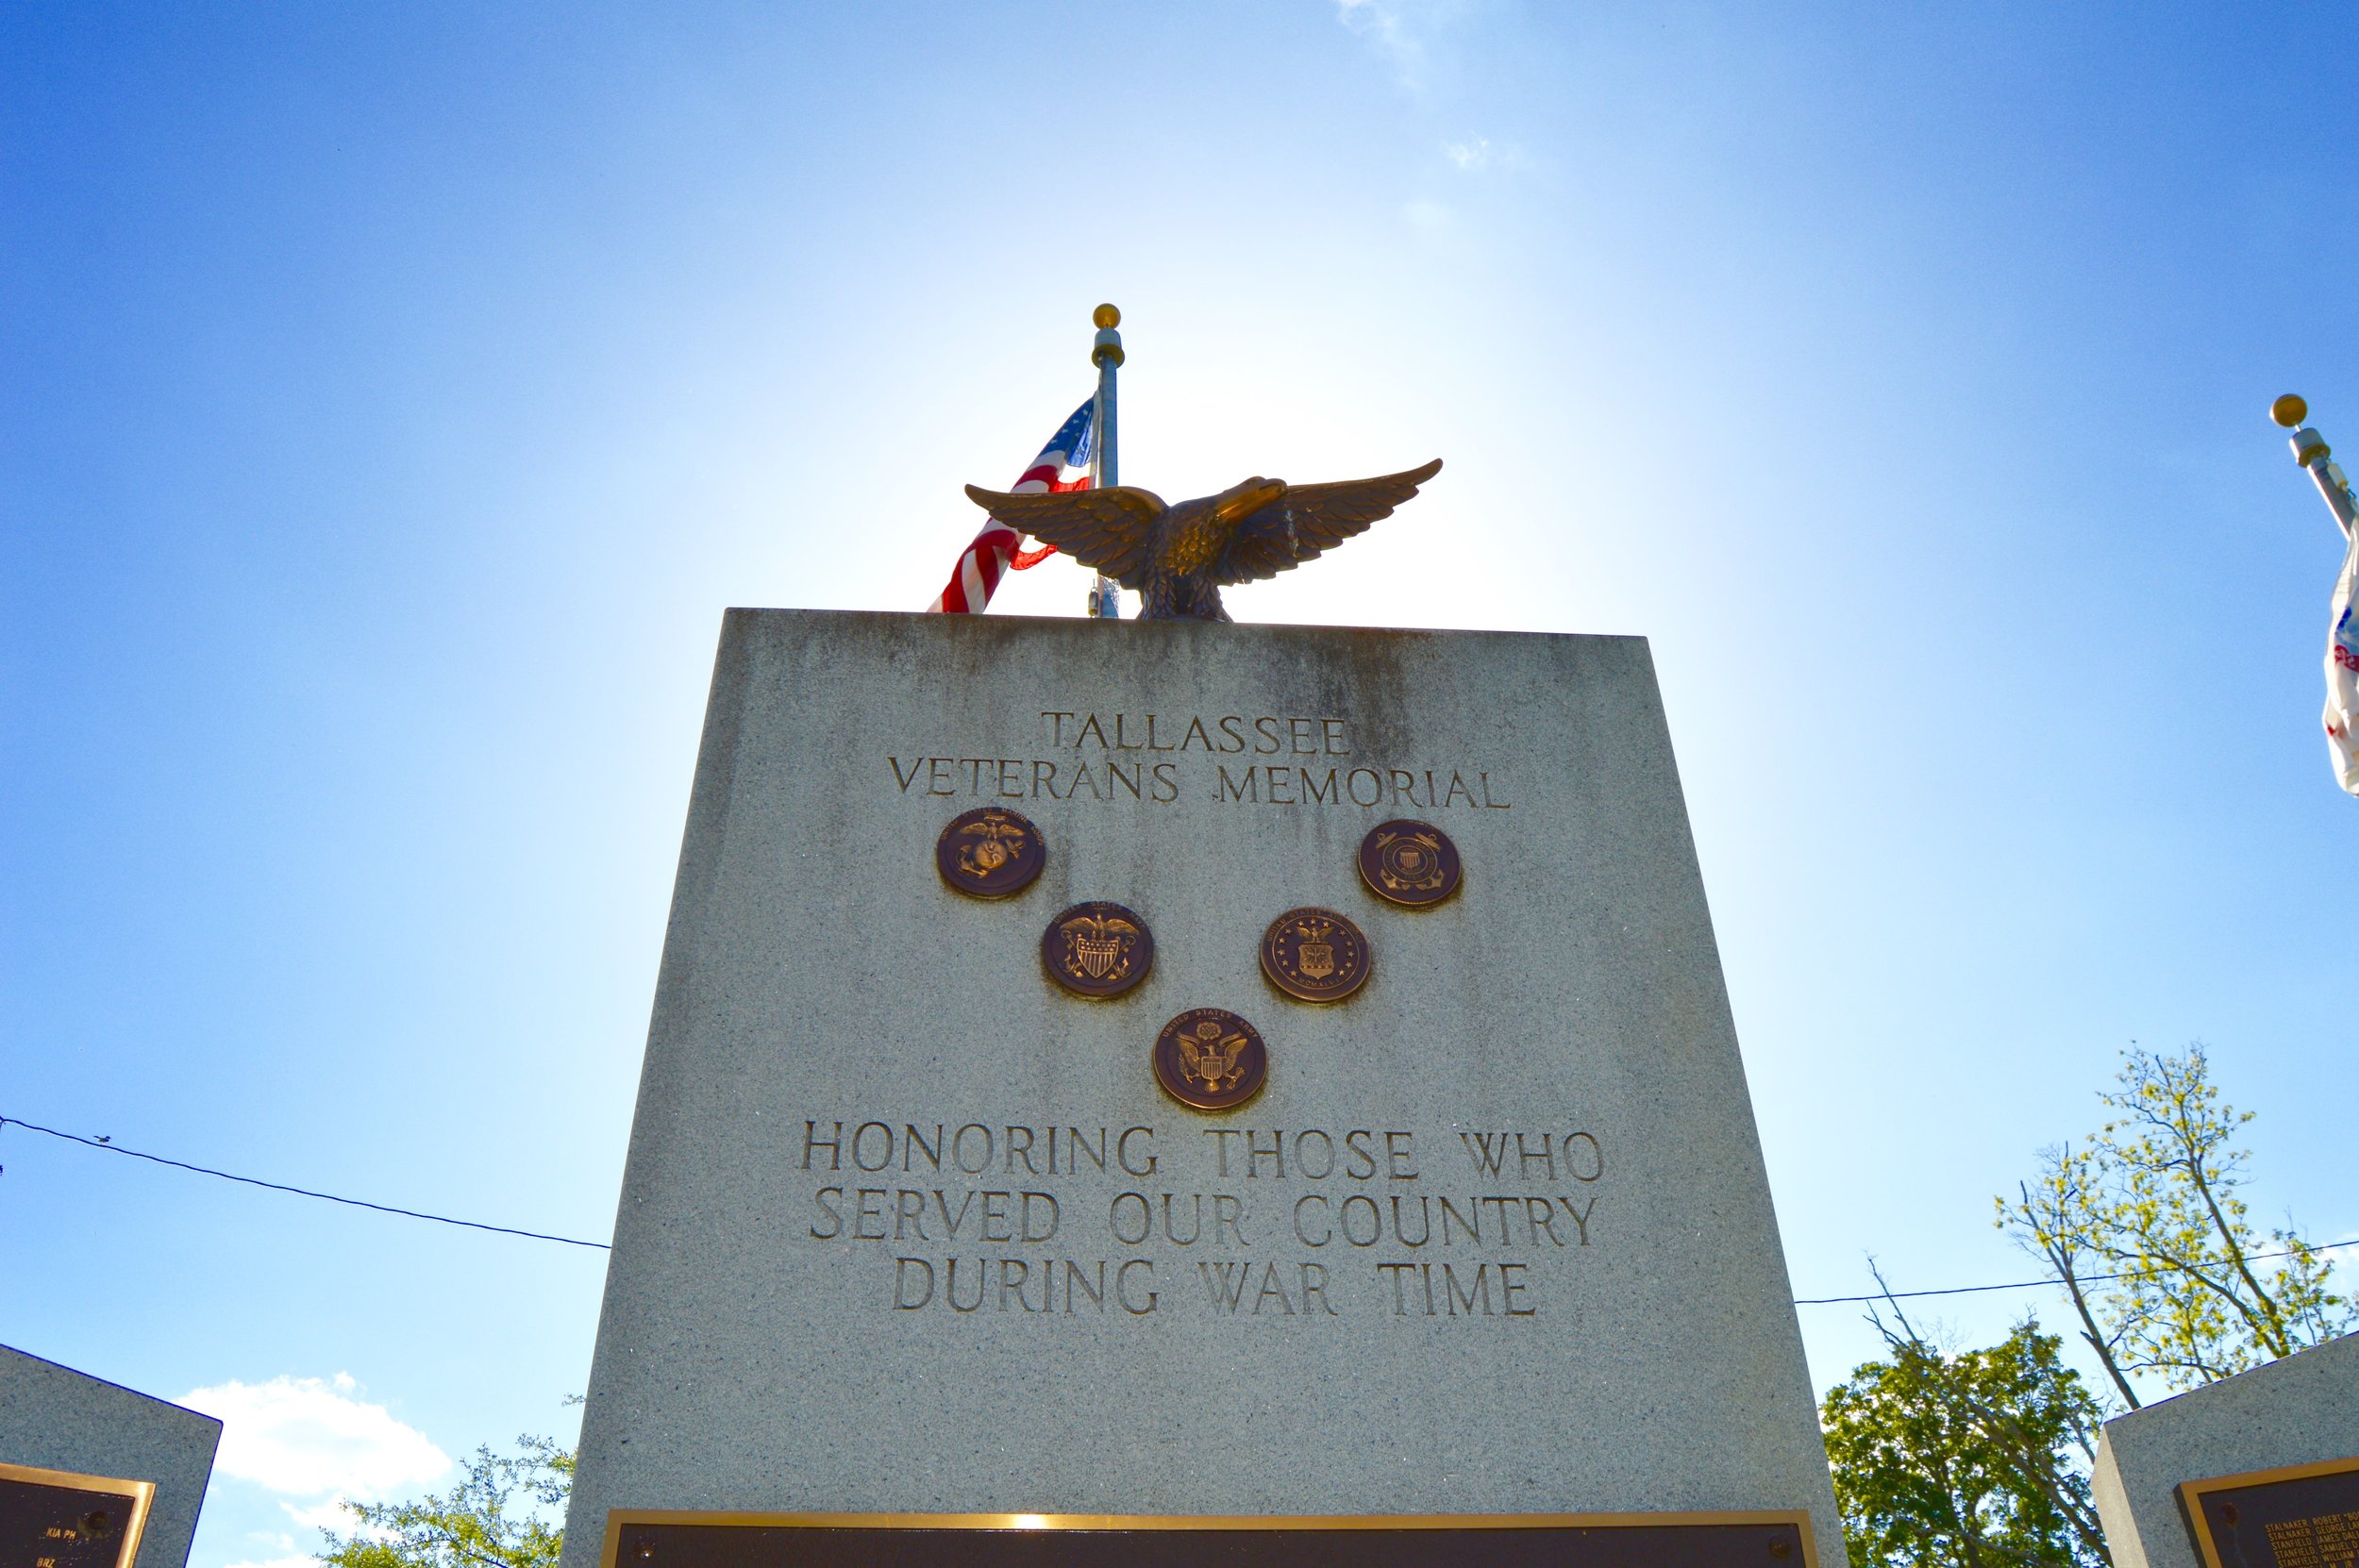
1105, 472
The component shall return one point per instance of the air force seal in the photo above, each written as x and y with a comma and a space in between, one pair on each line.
1316, 955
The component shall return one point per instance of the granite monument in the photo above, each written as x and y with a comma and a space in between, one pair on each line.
911, 1226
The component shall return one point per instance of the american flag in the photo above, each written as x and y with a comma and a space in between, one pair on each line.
1063, 464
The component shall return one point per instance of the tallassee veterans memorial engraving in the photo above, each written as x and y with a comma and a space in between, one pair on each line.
908, 1227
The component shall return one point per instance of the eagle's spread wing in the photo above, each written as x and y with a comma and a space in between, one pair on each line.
1309, 519
1109, 529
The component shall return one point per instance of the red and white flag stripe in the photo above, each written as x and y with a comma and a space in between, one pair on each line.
1063, 464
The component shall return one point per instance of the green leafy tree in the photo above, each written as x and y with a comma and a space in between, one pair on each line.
2143, 1225
1974, 1458
506, 1512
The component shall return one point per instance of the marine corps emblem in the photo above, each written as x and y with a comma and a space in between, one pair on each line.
1097, 949
1209, 1059
1412, 863
990, 852
1316, 955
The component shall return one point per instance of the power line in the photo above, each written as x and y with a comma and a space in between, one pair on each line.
2046, 1284
1954, 1290
110, 1148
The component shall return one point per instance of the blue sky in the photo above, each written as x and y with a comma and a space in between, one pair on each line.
390, 399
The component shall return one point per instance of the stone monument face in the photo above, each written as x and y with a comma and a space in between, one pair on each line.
911, 1225
93, 1474
2260, 1470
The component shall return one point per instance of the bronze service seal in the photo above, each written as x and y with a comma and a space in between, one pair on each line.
1097, 949
1316, 955
1410, 863
990, 852
1209, 1059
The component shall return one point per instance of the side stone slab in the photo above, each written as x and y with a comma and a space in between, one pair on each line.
2303, 1409
55, 1418
904, 1227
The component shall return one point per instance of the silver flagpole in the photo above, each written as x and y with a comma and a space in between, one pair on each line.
2341, 717
1105, 469
2311, 452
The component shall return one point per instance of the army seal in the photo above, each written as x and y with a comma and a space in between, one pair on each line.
990, 852
1410, 863
1097, 949
1316, 955
1209, 1059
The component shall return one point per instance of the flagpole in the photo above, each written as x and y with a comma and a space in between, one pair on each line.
2311, 452
1105, 471
2341, 717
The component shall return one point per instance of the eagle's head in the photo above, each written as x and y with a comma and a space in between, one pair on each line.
1242, 500
1198, 531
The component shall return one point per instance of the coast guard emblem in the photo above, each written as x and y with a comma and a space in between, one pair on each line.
1097, 949
1209, 1059
1410, 863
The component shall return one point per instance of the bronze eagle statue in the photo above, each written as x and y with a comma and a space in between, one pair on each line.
1178, 559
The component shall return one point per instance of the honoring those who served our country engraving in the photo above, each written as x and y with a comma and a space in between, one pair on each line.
1410, 863
1097, 949
1316, 955
990, 852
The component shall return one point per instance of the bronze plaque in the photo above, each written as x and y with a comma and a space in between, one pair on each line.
990, 852
1316, 955
635, 1539
69, 1521
1097, 949
2302, 1516
1209, 1059
1412, 863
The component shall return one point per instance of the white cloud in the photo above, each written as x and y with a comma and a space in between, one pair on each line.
310, 1438
279, 1563
328, 1515
1381, 20
1468, 155
1386, 23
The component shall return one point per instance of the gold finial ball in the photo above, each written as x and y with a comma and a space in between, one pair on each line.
1106, 315
2289, 411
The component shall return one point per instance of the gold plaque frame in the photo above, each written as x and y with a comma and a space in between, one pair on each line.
139, 1495
2191, 1496
616, 1519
